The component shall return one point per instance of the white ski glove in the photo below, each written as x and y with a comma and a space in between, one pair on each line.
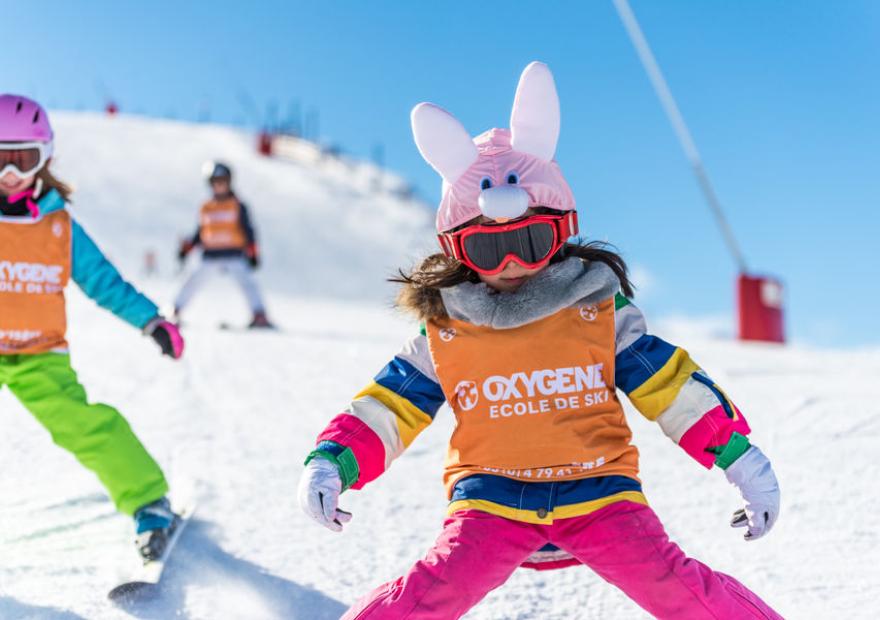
752, 474
319, 490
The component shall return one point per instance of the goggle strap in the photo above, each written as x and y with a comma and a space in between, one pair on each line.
448, 245
570, 225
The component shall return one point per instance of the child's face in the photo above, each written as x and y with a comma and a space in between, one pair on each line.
511, 278
10, 184
220, 187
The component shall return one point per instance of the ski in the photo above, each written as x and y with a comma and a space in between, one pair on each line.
230, 327
147, 578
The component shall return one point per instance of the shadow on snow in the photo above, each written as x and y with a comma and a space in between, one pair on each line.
11, 608
200, 562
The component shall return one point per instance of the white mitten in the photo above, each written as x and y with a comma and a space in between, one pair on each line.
319, 490
752, 474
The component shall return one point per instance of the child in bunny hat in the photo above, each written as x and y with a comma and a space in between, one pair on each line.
527, 337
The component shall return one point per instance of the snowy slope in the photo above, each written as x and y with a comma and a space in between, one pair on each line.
139, 186
236, 416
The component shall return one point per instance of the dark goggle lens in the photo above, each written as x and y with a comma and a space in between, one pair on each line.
531, 244
23, 159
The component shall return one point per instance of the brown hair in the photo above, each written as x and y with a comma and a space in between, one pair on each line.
50, 181
420, 293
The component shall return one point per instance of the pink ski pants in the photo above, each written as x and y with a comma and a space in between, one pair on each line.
624, 543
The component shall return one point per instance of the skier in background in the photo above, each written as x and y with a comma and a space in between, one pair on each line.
41, 248
526, 337
228, 243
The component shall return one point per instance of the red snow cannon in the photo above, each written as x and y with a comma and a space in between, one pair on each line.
760, 308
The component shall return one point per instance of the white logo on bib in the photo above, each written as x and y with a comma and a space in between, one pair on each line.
467, 395
589, 313
447, 334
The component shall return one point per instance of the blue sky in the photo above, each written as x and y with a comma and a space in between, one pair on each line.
782, 99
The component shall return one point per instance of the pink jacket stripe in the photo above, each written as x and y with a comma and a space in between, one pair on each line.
368, 449
712, 430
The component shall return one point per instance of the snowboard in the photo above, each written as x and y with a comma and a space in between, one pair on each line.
146, 580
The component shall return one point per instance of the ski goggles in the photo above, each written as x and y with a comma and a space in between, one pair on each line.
23, 159
530, 242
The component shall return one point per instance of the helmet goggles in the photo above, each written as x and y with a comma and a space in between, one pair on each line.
23, 159
531, 242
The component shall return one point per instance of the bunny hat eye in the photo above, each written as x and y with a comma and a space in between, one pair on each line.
485, 183
513, 178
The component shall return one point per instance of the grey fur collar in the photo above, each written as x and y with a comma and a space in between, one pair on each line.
559, 286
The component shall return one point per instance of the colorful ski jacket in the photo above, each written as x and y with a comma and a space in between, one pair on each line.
531, 378
38, 257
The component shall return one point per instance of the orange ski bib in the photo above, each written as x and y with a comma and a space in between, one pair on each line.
34, 269
220, 225
535, 402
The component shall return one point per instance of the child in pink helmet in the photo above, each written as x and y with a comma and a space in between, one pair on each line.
42, 247
527, 337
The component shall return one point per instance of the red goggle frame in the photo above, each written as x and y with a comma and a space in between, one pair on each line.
496, 252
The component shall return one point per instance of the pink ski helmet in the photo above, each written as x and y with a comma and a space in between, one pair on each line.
501, 172
23, 120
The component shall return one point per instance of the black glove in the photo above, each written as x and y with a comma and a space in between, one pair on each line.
185, 248
253, 255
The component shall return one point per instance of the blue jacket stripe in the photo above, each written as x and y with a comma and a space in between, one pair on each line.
640, 361
533, 495
404, 379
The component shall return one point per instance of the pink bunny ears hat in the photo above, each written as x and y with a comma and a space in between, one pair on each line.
501, 172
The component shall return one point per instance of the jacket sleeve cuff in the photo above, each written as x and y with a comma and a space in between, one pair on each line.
728, 453
342, 457
714, 429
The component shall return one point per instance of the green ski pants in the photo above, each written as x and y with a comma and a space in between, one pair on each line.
97, 435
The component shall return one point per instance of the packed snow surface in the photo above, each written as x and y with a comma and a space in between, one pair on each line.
232, 422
